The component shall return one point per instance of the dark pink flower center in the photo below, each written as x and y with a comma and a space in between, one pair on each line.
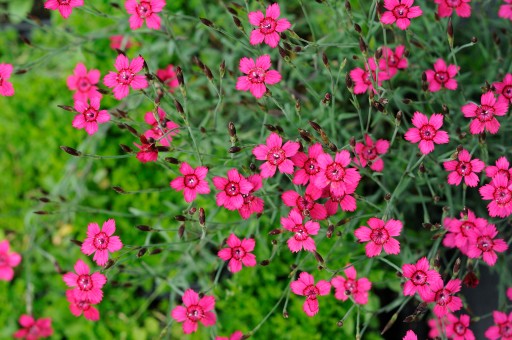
232, 189
191, 181
369, 153
311, 167
427, 132
305, 203
485, 113
504, 172
350, 286
301, 234
336, 198
442, 77
507, 91
506, 329
144, 9
268, 25
484, 243
335, 172
401, 11
238, 253
1, 81
101, 241
453, 3
465, 227
195, 313
4, 260
379, 236
33, 332
366, 78
311, 292
256, 75
83, 305
248, 198
125, 76
63, 2
276, 156
419, 278
502, 195
464, 168
84, 282
83, 84
443, 297
91, 114
459, 328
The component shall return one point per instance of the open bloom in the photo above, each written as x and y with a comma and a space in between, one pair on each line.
6, 88
126, 76
257, 75
465, 168
458, 230
252, 204
116, 42
77, 307
504, 88
192, 183
369, 152
499, 191
410, 335
446, 7
307, 164
162, 130
501, 167
346, 202
195, 310
141, 10
147, 150
442, 76
238, 253
33, 329
276, 155
269, 26
86, 286
505, 10
336, 174
90, 115
350, 286
483, 115
302, 232
502, 328
84, 83
168, 77
101, 241
420, 276
306, 204
232, 190
444, 296
401, 12
362, 80
65, 7
305, 286
482, 242
8, 261
458, 328
392, 61
426, 132
380, 235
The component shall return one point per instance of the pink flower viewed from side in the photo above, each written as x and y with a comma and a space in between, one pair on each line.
380, 235
499, 191
482, 242
86, 286
426, 132
232, 190
141, 10
252, 204
8, 261
419, 277
501, 167
238, 253
305, 286
336, 174
192, 183
195, 310
306, 204
458, 230
465, 168
235, 336
168, 77
307, 164
458, 328
442, 76
6, 88
90, 115
302, 232
147, 150
504, 88
162, 130
401, 12
410, 335
346, 287
483, 115
502, 328
269, 26
84, 83
370, 152
33, 329
257, 75
126, 76
392, 61
101, 242
505, 10
361, 78
77, 307
446, 7
276, 155
65, 7
443, 296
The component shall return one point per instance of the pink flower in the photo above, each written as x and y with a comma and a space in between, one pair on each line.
87, 286
442, 76
192, 183
420, 277
426, 132
336, 173
235, 336
168, 77
101, 241
482, 242
116, 42
6, 88
90, 115
446, 7
238, 253
504, 88
370, 152
84, 83
347, 202
509, 293
400, 11
257, 75
232, 190
505, 10
443, 296
276, 155
8, 261
410, 335
302, 232
306, 205
484, 114
458, 230
436, 327
195, 310
147, 150
252, 204
502, 167
65, 7
126, 76
163, 134
380, 235
77, 307
269, 26
392, 61
502, 328
307, 164
465, 168
458, 328
34, 329
499, 191
305, 286
351, 287
362, 80
141, 10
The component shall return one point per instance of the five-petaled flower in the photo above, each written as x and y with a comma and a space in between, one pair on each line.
232, 190
369, 152
257, 75
195, 310
126, 76
458, 328
499, 191
426, 132
483, 242
238, 252
33, 329
147, 150
361, 78
505, 10
483, 115
446, 7
420, 276
192, 182
89, 115
458, 230
401, 12
380, 235
306, 204
6, 88
442, 76
464, 167
162, 130
350, 286
392, 61
65, 7
86, 286
502, 167
276, 155
141, 10
168, 77
252, 204
443, 296
101, 241
305, 286
268, 25
8, 261
302, 232
307, 164
84, 83
77, 307
504, 88
336, 174
502, 328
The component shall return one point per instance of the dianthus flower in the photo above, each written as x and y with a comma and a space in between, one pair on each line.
147, 150
458, 328
6, 88
369, 152
276, 155
238, 253
306, 205
484, 114
65, 7
458, 230
426, 132
84, 83
163, 134
346, 287
380, 235
305, 286
232, 190
502, 167
101, 241
410, 335
401, 12
504, 88
465, 168
86, 286
361, 78
235, 336
195, 310
89, 115
252, 204
442, 76
168, 77
141, 10
436, 326
443, 296
505, 10
257, 75
420, 277
446, 7
77, 307
192, 182
502, 328
509, 293
268, 25
126, 76
392, 61
482, 242
8, 261
347, 202
34, 329
302, 232
336, 174
307, 164
116, 42
499, 191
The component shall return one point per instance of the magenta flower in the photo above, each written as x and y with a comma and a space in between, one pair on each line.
238, 253
484, 114
33, 329
420, 277
84, 83
8, 261
168, 77
162, 130
86, 286
499, 191
65, 7
6, 88
369, 153
504, 88
410, 335
195, 310
347, 202
361, 78
443, 296
458, 230
482, 242
141, 10
401, 12
269, 26
126, 76
305, 286
380, 235
442, 76
465, 168
257, 75
302, 232
101, 241
436, 327
77, 307
116, 42
306, 204
90, 115
336, 174
509, 293
147, 150
426, 132
458, 328
392, 61
276, 155
502, 328
235, 336
505, 10
252, 204
502, 167
307, 164
232, 190
192, 183
346, 287
446, 7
